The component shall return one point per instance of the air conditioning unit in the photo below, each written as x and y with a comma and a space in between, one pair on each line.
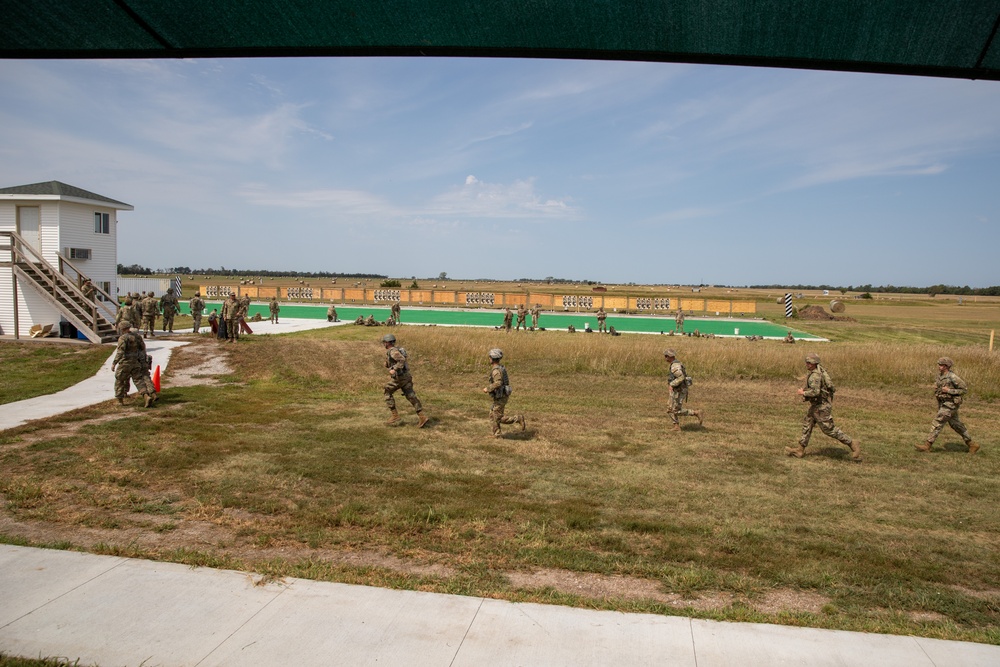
77, 253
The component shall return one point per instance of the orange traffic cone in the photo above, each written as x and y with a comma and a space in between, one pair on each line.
156, 379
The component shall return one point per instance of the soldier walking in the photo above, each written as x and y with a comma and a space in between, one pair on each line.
678, 380
818, 392
150, 309
679, 321
948, 390
169, 307
132, 363
499, 389
399, 380
197, 307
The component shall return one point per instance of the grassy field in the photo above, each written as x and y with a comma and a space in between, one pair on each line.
285, 468
35, 368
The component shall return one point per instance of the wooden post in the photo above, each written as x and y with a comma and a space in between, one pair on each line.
991, 339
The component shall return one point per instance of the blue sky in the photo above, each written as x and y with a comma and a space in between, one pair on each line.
493, 168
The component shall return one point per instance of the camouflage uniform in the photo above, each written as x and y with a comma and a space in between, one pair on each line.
508, 317
522, 314
679, 320
132, 363
818, 392
231, 309
331, 314
395, 311
677, 380
197, 307
948, 390
88, 288
169, 306
399, 380
150, 309
535, 312
497, 388
126, 313
137, 310
601, 317
274, 309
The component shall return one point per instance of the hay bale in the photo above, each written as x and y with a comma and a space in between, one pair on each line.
837, 306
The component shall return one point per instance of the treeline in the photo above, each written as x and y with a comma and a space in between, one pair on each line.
893, 289
137, 270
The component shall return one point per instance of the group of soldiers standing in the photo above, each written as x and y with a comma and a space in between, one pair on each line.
140, 310
522, 317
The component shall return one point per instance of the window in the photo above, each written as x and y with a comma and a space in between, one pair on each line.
102, 223
79, 253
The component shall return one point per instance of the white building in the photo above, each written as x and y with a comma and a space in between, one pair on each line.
52, 236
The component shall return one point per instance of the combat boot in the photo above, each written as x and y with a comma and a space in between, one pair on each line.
675, 427
856, 452
925, 447
700, 414
524, 425
423, 419
149, 401
121, 400
973, 447
798, 452
393, 419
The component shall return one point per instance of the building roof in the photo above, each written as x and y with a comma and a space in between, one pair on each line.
949, 38
59, 190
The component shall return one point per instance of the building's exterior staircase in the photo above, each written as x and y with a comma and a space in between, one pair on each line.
93, 317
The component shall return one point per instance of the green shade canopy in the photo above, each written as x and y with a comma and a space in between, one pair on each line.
949, 38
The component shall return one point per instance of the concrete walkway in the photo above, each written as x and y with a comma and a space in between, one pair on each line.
116, 611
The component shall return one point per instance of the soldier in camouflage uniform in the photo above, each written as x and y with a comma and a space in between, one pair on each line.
231, 314
535, 312
522, 315
88, 288
679, 382
399, 380
197, 307
395, 312
948, 390
274, 309
169, 306
679, 321
132, 363
818, 392
136, 311
150, 309
499, 389
124, 314
508, 317
601, 317
331, 314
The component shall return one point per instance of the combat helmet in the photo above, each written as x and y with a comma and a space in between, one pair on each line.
388, 338
496, 353
946, 361
670, 353
812, 359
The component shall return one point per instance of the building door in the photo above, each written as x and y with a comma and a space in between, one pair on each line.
29, 226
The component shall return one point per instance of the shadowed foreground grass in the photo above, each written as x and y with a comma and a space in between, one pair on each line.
287, 467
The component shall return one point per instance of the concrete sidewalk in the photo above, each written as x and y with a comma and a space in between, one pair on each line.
116, 611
